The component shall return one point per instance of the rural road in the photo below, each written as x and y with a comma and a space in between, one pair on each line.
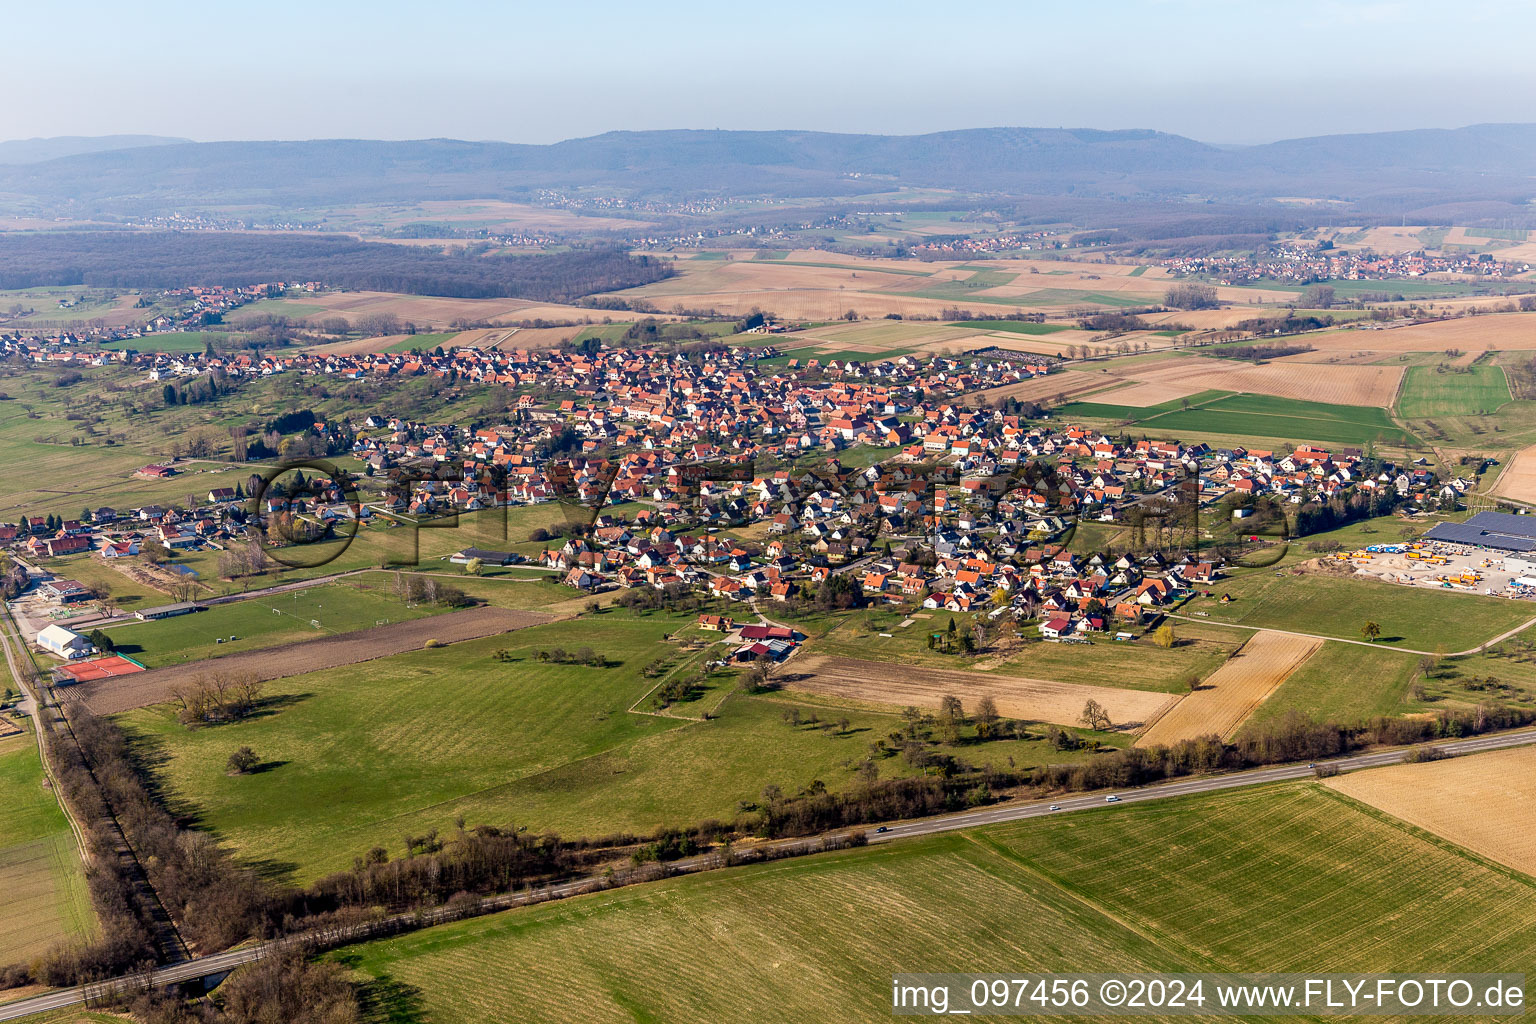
220, 963
1363, 643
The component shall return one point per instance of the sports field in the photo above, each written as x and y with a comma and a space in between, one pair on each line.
362, 754
264, 621
43, 898
1476, 390
1280, 879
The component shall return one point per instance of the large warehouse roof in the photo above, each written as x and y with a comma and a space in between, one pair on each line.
1490, 530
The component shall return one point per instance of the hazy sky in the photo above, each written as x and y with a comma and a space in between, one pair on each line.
1217, 70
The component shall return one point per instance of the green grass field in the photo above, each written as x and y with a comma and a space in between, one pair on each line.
43, 898
1345, 683
267, 621
1110, 411
423, 342
1013, 326
362, 755
172, 341
1139, 666
1287, 878
1410, 617
1427, 392
1268, 416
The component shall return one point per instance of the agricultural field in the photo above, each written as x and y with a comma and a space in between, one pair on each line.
426, 311
1289, 419
1480, 802
1125, 407
1027, 699
1286, 878
1338, 606
888, 338
1492, 332
1054, 388
580, 750
1476, 390
1013, 326
1229, 695
1518, 479
43, 898
1331, 385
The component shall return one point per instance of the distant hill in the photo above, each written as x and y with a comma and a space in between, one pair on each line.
31, 151
1391, 171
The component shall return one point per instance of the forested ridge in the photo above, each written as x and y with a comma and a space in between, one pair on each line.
175, 259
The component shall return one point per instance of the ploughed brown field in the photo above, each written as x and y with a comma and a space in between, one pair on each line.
123, 693
1481, 802
1070, 384
1312, 382
1033, 700
1228, 696
1518, 480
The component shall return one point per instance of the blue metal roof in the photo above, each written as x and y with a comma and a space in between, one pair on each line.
1490, 529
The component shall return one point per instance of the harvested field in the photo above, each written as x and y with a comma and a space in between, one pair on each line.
1497, 331
875, 336
1479, 802
114, 695
1230, 694
435, 312
1143, 395
1518, 481
1069, 384
1337, 385
1034, 700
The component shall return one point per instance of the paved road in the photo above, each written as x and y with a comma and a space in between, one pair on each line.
219, 963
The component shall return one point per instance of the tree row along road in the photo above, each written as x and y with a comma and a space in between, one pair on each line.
220, 963
39, 697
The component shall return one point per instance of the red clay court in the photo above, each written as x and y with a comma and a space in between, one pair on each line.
97, 668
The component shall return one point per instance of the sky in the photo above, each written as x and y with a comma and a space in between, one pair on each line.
1222, 71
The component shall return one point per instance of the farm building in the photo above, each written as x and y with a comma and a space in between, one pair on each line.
65, 643
1499, 530
486, 557
166, 611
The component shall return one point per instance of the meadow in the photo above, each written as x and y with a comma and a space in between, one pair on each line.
1475, 390
171, 341
1289, 878
43, 897
1331, 606
363, 755
1138, 666
1345, 683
